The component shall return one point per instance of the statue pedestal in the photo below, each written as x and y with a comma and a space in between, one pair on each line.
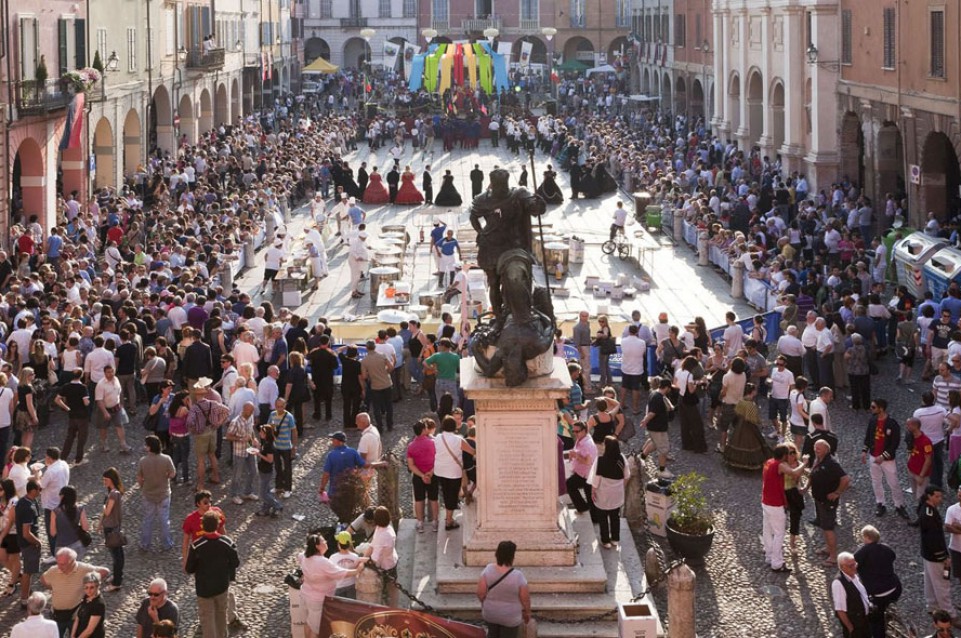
517, 470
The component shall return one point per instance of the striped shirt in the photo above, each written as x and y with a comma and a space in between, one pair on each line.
284, 427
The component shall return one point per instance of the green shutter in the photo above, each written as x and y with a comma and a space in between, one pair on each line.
80, 40
63, 62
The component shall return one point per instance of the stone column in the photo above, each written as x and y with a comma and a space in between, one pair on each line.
719, 122
822, 156
680, 602
517, 469
764, 140
793, 31
744, 44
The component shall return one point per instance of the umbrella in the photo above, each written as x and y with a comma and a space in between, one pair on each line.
320, 65
571, 65
606, 68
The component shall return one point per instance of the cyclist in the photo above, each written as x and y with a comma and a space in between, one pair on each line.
620, 220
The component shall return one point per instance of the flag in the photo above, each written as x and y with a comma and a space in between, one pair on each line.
410, 50
526, 48
504, 48
390, 55
74, 125
264, 70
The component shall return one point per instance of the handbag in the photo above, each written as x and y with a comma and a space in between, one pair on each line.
151, 421
52, 377
115, 538
82, 535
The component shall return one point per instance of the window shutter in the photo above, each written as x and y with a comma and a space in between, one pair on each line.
80, 42
62, 60
889, 38
170, 45
131, 48
102, 44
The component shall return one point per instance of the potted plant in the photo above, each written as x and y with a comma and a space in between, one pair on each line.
690, 527
40, 79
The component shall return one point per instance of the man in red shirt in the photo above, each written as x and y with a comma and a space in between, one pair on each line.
773, 502
193, 527
922, 455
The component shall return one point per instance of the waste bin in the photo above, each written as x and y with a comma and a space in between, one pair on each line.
910, 255
658, 503
943, 268
652, 218
636, 620
892, 236
641, 201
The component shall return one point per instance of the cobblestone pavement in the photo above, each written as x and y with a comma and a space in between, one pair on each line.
737, 594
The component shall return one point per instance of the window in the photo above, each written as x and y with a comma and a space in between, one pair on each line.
170, 42
698, 39
410, 8
623, 17
440, 11
890, 31
666, 28
383, 9
937, 43
648, 30
530, 10
809, 27
846, 37
71, 34
29, 47
131, 48
102, 45
578, 14
326, 9
657, 29
680, 30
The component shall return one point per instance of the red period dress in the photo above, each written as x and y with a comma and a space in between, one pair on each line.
408, 193
375, 192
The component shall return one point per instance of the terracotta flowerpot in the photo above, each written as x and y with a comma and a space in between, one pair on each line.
693, 548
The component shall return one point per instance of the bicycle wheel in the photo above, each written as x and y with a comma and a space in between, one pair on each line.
608, 247
623, 251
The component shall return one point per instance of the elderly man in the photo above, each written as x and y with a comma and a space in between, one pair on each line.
582, 337
791, 348
36, 626
809, 339
65, 581
341, 458
285, 445
206, 416
828, 482
851, 604
825, 354
155, 608
242, 436
370, 447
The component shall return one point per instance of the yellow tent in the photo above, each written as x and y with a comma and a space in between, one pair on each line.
320, 65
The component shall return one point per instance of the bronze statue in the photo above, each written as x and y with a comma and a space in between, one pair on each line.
523, 323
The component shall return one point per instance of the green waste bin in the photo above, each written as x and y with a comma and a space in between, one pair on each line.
652, 216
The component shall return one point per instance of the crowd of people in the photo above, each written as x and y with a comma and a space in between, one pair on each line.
125, 312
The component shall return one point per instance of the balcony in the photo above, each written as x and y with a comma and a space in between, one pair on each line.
353, 23
478, 25
530, 26
440, 24
38, 100
200, 60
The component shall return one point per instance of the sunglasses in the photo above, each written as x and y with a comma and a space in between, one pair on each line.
155, 594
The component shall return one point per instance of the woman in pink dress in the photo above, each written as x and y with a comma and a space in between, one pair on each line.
408, 193
375, 192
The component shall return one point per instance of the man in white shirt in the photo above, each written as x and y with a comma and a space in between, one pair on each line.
23, 335
820, 406
809, 339
36, 625
847, 591
778, 406
620, 220
633, 358
273, 260
56, 475
733, 336
931, 415
109, 410
825, 353
96, 362
791, 348
268, 392
370, 447
178, 317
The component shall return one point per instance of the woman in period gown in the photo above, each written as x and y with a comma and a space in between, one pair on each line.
350, 186
747, 449
376, 192
448, 195
586, 185
548, 190
408, 193
603, 180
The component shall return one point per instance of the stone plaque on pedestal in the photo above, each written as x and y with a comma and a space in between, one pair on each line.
517, 470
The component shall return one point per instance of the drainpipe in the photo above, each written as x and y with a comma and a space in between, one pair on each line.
4, 56
145, 148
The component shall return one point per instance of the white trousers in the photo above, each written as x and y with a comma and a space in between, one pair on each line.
772, 535
937, 591
888, 471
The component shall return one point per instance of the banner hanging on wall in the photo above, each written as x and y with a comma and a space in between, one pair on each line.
345, 618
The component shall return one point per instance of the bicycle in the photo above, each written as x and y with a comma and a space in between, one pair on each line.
620, 244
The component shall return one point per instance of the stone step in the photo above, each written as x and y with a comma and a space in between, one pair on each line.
581, 630
453, 577
557, 607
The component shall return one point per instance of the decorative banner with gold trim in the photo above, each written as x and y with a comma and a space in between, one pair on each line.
345, 618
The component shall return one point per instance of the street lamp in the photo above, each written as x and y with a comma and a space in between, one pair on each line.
366, 34
113, 62
429, 34
549, 33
